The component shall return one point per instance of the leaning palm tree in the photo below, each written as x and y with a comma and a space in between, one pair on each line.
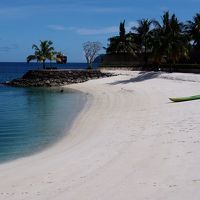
143, 34
42, 52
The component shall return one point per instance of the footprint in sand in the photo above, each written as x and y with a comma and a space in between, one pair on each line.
165, 158
171, 186
196, 180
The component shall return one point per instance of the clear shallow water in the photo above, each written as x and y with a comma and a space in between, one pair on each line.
31, 119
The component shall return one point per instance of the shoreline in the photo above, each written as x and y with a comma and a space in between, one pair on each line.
128, 142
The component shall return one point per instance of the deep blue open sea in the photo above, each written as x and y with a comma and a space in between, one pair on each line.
31, 119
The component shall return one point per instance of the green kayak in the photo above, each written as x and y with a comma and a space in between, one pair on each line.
185, 98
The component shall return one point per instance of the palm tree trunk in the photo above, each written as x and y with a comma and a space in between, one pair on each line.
170, 67
145, 52
145, 55
43, 64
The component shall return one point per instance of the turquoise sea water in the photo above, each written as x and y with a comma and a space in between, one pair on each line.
31, 119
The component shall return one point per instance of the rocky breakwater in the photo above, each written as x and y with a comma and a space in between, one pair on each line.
54, 78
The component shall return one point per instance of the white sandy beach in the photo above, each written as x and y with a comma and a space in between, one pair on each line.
129, 142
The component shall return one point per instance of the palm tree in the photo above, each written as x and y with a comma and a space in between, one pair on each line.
178, 40
122, 44
169, 40
193, 29
42, 52
143, 34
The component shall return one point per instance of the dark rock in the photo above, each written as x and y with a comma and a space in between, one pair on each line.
53, 78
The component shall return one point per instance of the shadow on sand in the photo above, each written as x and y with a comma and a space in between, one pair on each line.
143, 76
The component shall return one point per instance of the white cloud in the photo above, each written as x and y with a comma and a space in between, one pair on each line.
97, 31
85, 31
57, 27
104, 30
93, 31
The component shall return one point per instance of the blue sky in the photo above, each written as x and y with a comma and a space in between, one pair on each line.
70, 23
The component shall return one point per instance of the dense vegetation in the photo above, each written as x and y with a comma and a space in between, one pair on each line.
169, 41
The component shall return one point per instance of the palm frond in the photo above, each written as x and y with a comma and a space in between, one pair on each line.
35, 47
31, 57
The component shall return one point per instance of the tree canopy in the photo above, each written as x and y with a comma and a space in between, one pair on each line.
91, 50
45, 51
167, 40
